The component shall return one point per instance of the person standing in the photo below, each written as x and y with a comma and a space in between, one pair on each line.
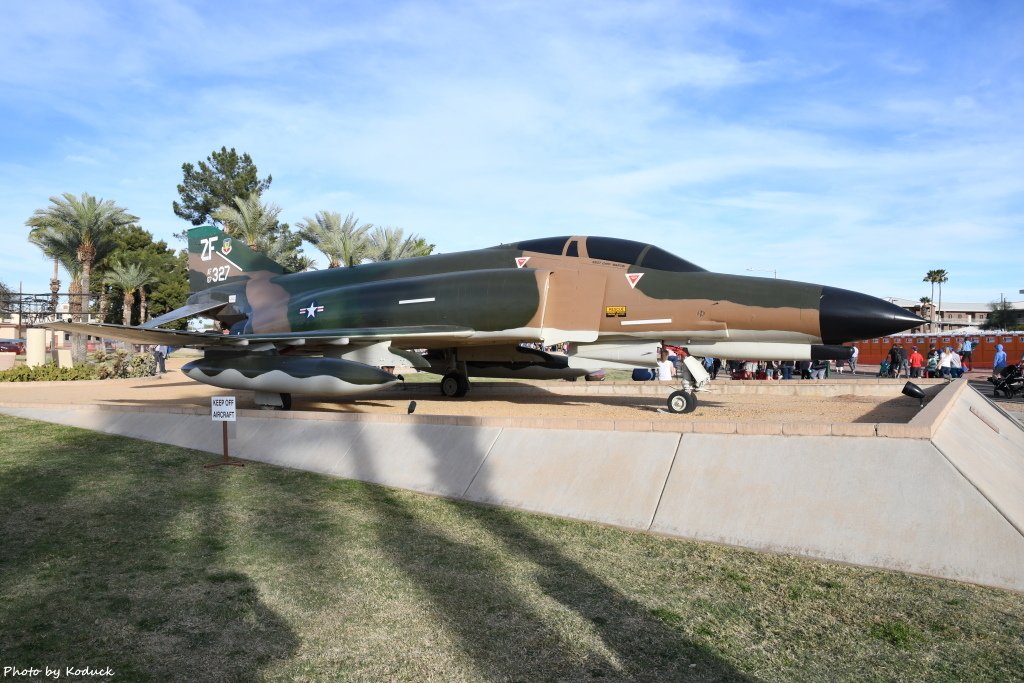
955, 365
665, 366
945, 364
161, 358
966, 351
894, 361
853, 359
787, 369
916, 362
998, 362
818, 369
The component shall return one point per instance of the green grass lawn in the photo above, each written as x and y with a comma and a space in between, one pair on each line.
127, 554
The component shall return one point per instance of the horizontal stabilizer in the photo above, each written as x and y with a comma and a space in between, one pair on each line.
140, 335
183, 312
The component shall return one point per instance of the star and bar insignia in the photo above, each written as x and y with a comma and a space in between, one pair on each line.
311, 310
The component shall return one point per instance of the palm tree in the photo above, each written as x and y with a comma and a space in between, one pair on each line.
129, 279
941, 277
930, 277
933, 277
250, 220
85, 227
343, 242
390, 244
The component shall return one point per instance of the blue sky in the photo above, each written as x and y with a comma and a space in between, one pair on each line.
854, 143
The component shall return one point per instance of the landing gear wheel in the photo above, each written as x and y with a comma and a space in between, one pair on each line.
286, 401
682, 402
454, 385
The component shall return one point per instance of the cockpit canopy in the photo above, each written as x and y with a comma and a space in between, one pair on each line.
610, 249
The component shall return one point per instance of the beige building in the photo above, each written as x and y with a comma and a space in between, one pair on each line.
953, 315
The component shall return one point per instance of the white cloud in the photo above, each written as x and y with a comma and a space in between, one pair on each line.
716, 131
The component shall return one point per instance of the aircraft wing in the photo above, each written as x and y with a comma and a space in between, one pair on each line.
408, 335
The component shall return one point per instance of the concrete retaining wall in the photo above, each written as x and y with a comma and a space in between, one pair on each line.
943, 497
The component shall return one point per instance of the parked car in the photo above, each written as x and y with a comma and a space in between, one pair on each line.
15, 345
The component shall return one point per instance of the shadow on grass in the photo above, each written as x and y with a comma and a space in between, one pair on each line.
511, 635
111, 556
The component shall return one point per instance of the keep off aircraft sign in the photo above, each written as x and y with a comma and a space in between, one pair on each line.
222, 408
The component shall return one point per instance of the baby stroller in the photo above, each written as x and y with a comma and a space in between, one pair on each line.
1010, 381
883, 368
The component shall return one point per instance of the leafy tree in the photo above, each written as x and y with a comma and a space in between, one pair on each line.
6, 296
83, 226
130, 278
215, 183
1002, 317
391, 244
169, 288
343, 242
250, 220
285, 249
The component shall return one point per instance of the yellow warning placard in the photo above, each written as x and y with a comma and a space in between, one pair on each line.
615, 311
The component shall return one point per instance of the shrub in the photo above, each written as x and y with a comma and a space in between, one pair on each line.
48, 373
100, 365
121, 364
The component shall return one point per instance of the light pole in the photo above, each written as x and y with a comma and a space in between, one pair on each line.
767, 270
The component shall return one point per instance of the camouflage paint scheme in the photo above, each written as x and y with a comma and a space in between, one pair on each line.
478, 305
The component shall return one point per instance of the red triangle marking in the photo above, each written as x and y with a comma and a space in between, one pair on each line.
633, 278
521, 261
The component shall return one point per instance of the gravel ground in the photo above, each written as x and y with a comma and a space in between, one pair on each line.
176, 389
711, 406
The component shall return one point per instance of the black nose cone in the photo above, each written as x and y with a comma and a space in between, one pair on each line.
850, 316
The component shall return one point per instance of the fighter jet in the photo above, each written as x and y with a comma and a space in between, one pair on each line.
612, 302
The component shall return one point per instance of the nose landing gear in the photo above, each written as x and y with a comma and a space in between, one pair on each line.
694, 378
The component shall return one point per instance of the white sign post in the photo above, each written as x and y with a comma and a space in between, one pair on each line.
222, 409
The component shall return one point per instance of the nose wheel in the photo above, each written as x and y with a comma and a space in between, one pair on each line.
682, 402
454, 385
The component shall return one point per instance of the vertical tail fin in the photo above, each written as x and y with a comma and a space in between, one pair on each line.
214, 257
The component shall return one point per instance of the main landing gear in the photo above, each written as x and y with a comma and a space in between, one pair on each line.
454, 384
682, 402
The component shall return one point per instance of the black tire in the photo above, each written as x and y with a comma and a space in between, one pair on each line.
682, 402
454, 385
